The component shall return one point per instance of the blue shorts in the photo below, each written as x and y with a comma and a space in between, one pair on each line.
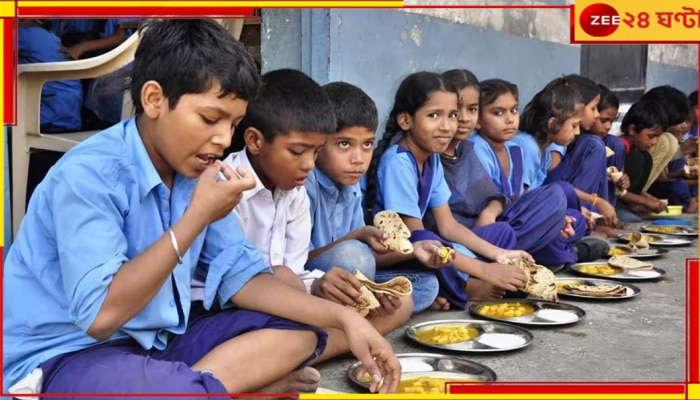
123, 366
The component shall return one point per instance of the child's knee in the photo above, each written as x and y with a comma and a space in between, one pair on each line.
288, 276
425, 290
354, 254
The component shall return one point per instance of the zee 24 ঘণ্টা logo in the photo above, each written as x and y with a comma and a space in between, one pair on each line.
601, 20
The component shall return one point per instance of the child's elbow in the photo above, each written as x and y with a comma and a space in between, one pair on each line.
101, 329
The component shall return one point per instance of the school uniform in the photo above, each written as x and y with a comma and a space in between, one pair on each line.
617, 160
402, 188
584, 167
101, 206
536, 215
336, 211
61, 101
277, 222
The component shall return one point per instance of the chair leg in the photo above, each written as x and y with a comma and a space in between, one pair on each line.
20, 172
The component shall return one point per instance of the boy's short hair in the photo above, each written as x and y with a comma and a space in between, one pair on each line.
353, 107
189, 57
608, 99
645, 114
674, 102
289, 101
693, 99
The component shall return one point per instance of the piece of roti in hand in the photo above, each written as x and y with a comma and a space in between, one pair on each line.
391, 223
367, 302
629, 263
397, 287
541, 282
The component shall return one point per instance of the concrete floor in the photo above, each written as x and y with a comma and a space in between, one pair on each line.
640, 339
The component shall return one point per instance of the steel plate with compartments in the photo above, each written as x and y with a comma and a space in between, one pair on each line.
491, 336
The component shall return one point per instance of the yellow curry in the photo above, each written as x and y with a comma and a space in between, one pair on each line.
447, 334
428, 385
617, 251
506, 310
600, 270
665, 229
648, 238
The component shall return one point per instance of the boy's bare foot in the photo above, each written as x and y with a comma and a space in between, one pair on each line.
481, 290
693, 206
440, 304
305, 380
605, 232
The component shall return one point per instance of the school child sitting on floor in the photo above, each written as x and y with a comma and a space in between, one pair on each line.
284, 129
406, 176
545, 232
340, 241
553, 117
118, 228
608, 109
585, 159
641, 127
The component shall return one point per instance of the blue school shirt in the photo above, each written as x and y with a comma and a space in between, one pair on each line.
471, 186
401, 188
101, 205
535, 164
61, 101
336, 210
512, 185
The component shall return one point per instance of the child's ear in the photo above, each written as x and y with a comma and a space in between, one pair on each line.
632, 130
152, 99
405, 121
552, 126
254, 140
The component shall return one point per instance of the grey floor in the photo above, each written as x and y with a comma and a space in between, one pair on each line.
641, 339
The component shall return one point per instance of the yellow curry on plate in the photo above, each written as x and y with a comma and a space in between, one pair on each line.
600, 270
447, 334
506, 310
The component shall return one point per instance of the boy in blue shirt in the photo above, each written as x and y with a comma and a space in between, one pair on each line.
114, 234
340, 241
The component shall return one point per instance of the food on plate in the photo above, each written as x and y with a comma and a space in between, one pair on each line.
637, 242
506, 310
398, 287
599, 270
447, 334
541, 282
629, 263
574, 287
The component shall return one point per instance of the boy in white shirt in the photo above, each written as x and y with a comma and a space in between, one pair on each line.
285, 127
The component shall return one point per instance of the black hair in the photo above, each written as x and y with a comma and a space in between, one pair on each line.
693, 99
413, 92
557, 100
491, 89
353, 107
289, 101
645, 114
674, 102
189, 57
460, 79
608, 99
588, 89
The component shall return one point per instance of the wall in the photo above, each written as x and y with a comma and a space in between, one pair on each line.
375, 49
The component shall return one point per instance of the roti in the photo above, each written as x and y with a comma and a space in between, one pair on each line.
628, 263
398, 287
367, 302
615, 175
391, 223
541, 282
637, 242
609, 152
596, 291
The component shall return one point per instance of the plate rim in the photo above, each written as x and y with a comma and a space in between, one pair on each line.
471, 307
356, 363
659, 243
643, 227
659, 249
662, 273
636, 289
529, 336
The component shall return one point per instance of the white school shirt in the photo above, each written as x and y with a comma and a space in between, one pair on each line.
278, 223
